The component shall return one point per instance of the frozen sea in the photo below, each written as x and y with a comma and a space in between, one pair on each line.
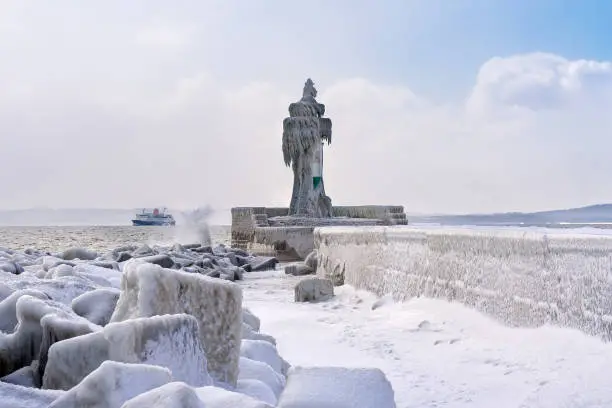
435, 353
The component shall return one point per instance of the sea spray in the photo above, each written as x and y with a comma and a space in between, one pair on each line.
195, 227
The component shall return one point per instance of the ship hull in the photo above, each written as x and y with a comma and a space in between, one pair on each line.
152, 223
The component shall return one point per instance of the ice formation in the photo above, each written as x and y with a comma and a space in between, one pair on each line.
149, 290
139, 326
336, 387
170, 341
303, 134
521, 277
112, 384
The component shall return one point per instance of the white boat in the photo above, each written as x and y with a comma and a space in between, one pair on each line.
154, 217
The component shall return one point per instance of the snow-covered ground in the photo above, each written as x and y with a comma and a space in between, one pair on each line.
435, 353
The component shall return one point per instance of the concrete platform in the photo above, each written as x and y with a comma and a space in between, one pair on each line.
271, 231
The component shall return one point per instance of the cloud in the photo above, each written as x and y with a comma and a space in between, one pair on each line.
168, 35
533, 132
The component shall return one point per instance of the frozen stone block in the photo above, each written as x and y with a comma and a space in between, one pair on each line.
79, 253
171, 395
8, 308
298, 269
25, 345
249, 318
314, 289
149, 290
170, 341
112, 384
257, 370
257, 389
263, 351
215, 397
97, 306
17, 396
250, 334
336, 387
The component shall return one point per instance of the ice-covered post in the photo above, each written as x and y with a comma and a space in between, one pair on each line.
304, 132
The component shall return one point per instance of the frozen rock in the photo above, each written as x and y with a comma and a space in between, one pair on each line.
215, 397
17, 396
263, 351
5, 292
8, 308
49, 262
58, 271
11, 267
257, 389
122, 256
93, 272
249, 318
112, 384
79, 253
25, 377
250, 334
336, 387
22, 347
56, 328
149, 290
262, 263
171, 395
311, 260
170, 341
97, 306
62, 289
144, 250
298, 269
162, 260
314, 289
256, 370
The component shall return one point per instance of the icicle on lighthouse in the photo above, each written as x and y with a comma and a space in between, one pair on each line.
304, 133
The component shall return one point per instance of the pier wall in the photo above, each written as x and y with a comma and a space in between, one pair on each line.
521, 277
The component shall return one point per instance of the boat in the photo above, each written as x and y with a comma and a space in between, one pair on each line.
155, 217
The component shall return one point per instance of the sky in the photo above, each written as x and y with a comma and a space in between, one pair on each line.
441, 106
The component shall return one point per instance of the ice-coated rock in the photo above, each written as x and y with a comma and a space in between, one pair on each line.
17, 396
112, 384
257, 389
62, 289
92, 271
8, 308
263, 351
5, 291
162, 260
312, 260
215, 397
171, 395
56, 328
27, 343
262, 263
97, 306
249, 318
11, 267
79, 253
170, 341
25, 376
149, 290
250, 334
299, 269
144, 250
314, 289
257, 370
336, 387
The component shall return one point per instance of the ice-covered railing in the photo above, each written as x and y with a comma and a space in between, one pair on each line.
521, 277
